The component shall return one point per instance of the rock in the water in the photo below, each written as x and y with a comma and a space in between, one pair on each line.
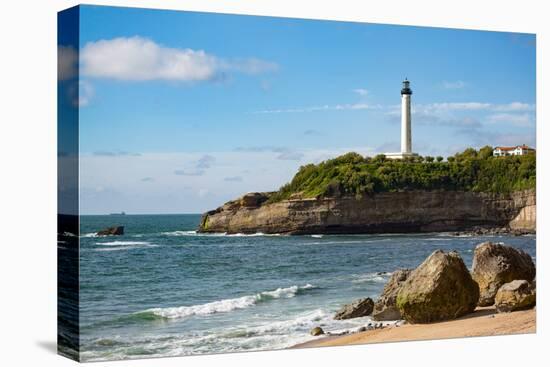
516, 295
316, 331
441, 288
359, 308
495, 264
385, 308
112, 231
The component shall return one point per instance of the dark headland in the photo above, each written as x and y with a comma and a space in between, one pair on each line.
472, 191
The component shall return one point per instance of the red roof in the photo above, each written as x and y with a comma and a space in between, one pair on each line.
513, 148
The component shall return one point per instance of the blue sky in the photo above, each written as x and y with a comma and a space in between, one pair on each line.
188, 110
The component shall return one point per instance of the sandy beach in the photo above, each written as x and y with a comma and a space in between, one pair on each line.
485, 321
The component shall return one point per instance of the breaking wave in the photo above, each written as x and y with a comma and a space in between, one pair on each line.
225, 305
199, 234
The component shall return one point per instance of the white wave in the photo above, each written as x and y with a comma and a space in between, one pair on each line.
124, 243
258, 234
317, 235
220, 234
371, 277
225, 305
192, 233
286, 292
92, 234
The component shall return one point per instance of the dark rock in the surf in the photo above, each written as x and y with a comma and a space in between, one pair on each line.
316, 331
112, 231
495, 231
385, 308
514, 296
358, 308
496, 264
441, 288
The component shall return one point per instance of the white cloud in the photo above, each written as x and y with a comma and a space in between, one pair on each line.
336, 107
290, 155
141, 59
523, 119
67, 62
85, 93
473, 106
249, 66
515, 106
459, 84
455, 106
362, 92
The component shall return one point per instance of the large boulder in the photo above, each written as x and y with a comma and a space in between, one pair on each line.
441, 288
516, 295
112, 231
495, 264
385, 308
358, 308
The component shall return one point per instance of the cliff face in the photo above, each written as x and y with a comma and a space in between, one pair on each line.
392, 212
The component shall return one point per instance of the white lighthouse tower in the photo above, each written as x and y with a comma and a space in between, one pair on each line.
406, 93
406, 136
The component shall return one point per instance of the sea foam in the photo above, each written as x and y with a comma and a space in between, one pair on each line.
225, 305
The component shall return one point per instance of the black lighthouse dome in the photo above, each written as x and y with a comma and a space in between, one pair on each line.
406, 89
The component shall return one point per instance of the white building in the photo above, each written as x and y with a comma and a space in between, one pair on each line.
406, 134
517, 150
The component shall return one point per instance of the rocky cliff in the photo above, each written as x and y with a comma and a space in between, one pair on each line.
390, 212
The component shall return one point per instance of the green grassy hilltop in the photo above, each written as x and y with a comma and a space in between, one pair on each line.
355, 175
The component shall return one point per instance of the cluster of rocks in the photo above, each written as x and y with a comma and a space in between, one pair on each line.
497, 269
492, 231
442, 287
111, 231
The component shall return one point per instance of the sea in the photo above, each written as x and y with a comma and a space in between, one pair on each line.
162, 289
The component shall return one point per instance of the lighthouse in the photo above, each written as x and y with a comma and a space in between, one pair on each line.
406, 129
406, 140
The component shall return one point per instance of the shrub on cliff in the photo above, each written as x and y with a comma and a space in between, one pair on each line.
354, 175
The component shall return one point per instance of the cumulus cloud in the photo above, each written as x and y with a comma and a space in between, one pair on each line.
141, 59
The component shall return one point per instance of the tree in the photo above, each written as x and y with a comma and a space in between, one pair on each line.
354, 175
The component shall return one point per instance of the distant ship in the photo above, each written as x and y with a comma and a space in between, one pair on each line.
121, 213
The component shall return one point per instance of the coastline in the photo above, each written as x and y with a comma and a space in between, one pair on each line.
485, 321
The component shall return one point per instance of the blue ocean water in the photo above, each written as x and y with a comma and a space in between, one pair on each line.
163, 290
